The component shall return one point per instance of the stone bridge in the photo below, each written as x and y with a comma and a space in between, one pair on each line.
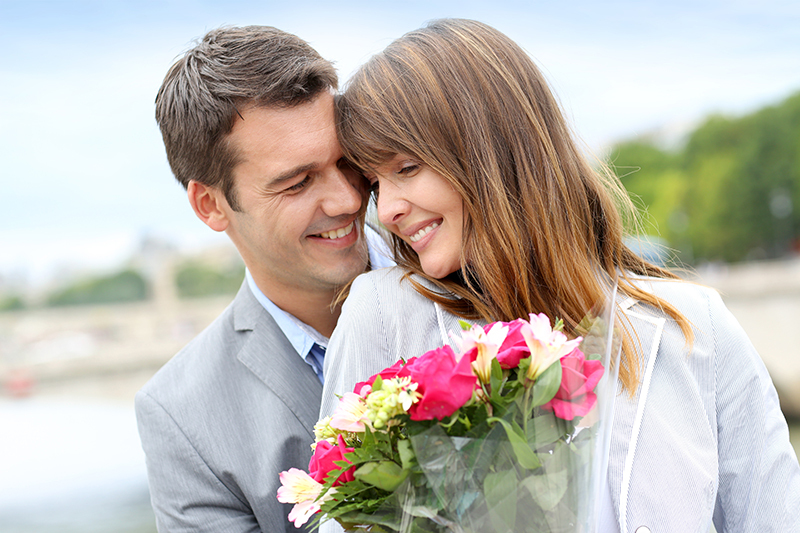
45, 350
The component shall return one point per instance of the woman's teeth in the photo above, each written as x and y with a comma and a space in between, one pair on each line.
338, 233
424, 231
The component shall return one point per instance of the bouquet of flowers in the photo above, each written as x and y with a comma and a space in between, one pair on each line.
509, 435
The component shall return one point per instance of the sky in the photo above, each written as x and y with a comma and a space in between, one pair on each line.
83, 170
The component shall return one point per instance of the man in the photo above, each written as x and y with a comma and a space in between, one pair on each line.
248, 124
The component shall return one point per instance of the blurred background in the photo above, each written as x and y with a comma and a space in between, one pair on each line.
105, 273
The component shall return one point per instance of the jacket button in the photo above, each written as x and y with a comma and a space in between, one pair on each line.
642, 529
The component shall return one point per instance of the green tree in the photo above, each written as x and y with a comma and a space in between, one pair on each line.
11, 303
731, 193
195, 280
124, 286
657, 185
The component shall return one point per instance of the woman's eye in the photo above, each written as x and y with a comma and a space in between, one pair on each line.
408, 170
373, 188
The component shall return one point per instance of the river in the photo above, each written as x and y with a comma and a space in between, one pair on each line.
75, 465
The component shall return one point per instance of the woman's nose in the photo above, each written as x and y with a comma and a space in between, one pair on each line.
392, 207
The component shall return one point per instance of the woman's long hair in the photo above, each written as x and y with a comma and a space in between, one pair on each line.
542, 228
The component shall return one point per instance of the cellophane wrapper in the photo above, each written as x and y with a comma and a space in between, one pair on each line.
477, 485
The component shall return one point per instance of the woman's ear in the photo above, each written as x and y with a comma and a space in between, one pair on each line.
209, 205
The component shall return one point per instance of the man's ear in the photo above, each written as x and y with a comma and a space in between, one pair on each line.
209, 205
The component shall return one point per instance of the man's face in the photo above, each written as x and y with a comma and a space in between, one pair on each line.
298, 229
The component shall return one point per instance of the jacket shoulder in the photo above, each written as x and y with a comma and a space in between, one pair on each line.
209, 353
695, 301
389, 285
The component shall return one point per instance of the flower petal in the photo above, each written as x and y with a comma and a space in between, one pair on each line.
302, 511
349, 413
297, 486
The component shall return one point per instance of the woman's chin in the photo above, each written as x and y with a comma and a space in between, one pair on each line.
438, 271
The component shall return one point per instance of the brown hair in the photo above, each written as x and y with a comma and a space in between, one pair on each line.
542, 228
231, 68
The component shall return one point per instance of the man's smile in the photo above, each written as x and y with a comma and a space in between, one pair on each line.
338, 233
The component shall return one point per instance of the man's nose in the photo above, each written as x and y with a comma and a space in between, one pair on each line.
343, 195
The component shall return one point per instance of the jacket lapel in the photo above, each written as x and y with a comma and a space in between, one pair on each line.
628, 412
271, 357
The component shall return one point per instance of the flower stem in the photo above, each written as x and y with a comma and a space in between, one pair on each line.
526, 398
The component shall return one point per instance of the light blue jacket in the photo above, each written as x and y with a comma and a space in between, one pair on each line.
703, 436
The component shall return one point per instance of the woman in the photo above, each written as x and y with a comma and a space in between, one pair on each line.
495, 213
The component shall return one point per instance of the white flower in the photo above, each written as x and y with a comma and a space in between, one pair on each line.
487, 344
395, 397
546, 344
324, 431
349, 413
301, 489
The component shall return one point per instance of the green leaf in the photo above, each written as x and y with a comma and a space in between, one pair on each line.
547, 384
386, 475
522, 368
500, 490
496, 378
545, 428
406, 452
547, 489
593, 357
465, 326
353, 518
519, 444
368, 439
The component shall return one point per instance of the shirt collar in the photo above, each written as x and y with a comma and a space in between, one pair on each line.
301, 336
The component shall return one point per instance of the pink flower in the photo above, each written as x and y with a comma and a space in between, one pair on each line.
323, 459
445, 383
579, 377
386, 373
514, 347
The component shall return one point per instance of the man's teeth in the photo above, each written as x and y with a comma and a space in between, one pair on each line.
338, 233
424, 231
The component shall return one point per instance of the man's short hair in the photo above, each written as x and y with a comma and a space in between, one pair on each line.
230, 69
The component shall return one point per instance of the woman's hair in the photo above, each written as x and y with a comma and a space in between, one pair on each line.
542, 228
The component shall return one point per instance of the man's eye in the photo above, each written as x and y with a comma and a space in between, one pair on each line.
299, 185
345, 166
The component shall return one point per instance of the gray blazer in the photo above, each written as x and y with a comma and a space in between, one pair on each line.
222, 418
703, 436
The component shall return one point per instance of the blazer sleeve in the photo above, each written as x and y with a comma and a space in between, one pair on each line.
185, 493
759, 476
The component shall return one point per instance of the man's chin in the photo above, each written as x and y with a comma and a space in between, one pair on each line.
350, 265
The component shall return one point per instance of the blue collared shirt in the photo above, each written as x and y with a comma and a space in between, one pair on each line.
302, 336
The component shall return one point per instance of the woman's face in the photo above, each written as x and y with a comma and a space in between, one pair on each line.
419, 206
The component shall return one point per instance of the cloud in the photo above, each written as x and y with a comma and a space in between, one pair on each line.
82, 153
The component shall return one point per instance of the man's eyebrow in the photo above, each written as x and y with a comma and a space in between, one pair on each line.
289, 174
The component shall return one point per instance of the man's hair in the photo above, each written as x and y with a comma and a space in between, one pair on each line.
230, 69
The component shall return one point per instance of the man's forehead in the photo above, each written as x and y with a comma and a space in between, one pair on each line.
273, 125
286, 140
